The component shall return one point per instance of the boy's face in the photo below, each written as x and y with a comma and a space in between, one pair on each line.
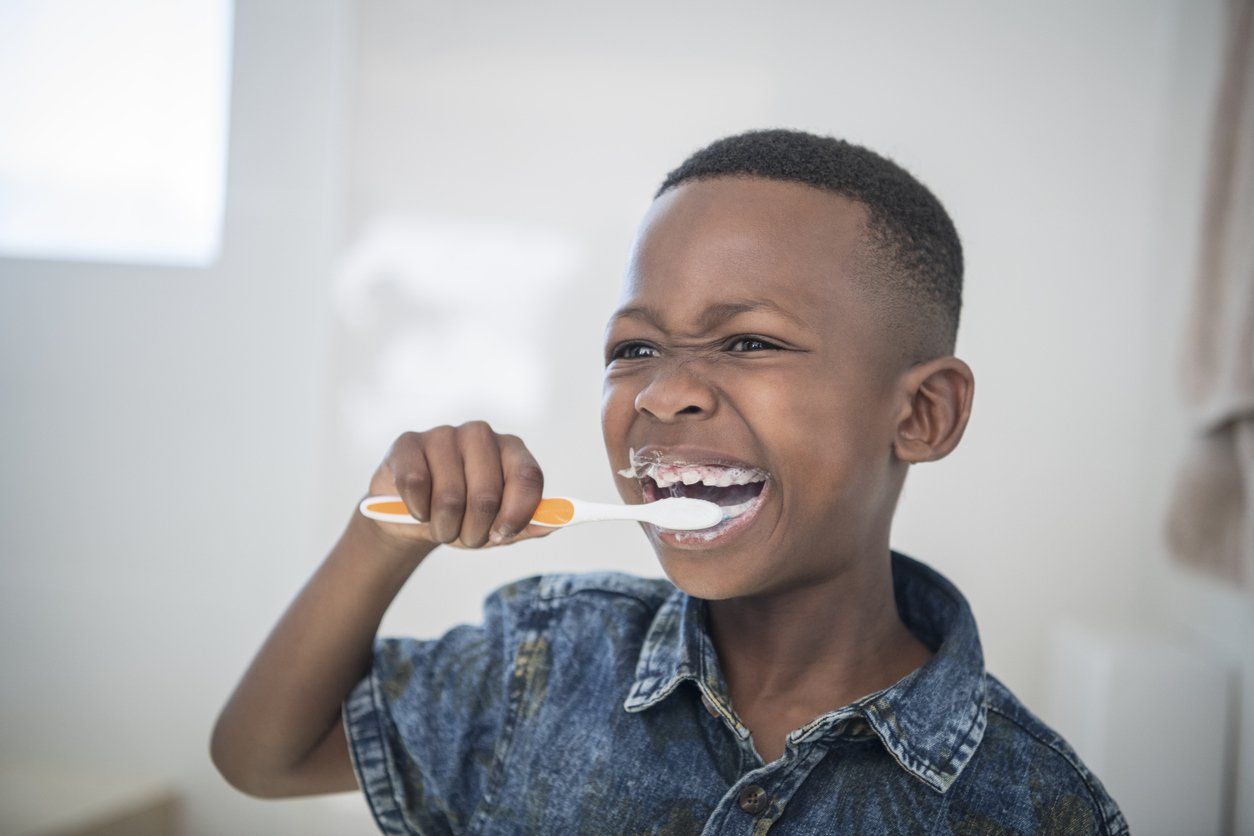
741, 352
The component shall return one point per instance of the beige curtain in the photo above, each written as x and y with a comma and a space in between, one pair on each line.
1210, 524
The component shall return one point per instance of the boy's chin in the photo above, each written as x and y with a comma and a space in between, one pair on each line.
705, 576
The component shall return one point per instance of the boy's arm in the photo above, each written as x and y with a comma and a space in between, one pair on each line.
280, 733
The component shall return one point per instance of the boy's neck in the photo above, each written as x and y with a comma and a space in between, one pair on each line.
820, 646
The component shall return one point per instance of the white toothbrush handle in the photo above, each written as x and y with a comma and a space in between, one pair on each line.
585, 511
387, 508
561, 511
680, 513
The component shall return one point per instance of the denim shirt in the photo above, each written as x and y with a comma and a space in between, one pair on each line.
594, 703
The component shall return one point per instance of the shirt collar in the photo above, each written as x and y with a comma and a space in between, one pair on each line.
930, 720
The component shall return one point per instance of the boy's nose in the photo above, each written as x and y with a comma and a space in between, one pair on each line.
674, 395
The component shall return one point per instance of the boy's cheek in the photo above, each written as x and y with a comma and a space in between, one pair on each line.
628, 490
618, 401
616, 414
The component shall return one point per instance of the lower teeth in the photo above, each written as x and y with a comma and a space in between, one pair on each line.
730, 511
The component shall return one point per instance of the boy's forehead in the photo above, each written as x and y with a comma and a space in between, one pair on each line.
746, 237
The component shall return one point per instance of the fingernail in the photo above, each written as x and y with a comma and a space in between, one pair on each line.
499, 535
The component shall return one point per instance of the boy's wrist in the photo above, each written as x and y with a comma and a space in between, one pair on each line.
365, 537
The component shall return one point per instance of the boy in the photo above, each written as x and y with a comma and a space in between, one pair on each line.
783, 347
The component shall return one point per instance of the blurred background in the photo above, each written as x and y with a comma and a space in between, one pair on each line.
245, 245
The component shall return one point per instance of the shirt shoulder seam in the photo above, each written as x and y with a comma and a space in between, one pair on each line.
1080, 771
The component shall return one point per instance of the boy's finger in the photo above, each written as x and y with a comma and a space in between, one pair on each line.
412, 478
524, 486
482, 464
448, 484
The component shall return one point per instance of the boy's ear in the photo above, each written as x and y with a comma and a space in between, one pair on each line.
937, 407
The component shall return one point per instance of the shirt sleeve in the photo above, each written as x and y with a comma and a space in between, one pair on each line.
423, 723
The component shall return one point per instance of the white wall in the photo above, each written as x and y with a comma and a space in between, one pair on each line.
1067, 143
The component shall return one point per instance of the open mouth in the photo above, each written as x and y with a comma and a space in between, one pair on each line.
732, 488
737, 488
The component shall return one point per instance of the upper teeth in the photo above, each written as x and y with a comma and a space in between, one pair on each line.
712, 475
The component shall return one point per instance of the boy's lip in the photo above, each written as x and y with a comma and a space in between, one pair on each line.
687, 454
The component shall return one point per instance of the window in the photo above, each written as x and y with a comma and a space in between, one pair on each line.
113, 129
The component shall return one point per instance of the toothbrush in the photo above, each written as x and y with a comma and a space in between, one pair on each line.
678, 513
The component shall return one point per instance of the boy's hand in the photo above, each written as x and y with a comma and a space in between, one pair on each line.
469, 485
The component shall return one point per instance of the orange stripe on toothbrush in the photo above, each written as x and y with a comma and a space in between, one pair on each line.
556, 511
553, 512
389, 508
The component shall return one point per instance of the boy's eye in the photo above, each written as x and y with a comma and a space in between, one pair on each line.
633, 351
751, 344
740, 345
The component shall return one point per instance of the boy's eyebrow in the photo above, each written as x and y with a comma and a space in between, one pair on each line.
712, 316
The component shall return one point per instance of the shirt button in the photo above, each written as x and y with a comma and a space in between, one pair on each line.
753, 799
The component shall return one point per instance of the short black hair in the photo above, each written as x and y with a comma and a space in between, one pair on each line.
911, 248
